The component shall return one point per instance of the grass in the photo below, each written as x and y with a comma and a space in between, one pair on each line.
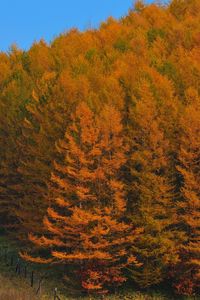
11, 289
15, 287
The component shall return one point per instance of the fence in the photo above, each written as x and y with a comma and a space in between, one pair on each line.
22, 269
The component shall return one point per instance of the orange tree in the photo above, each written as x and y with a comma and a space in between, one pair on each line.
85, 223
151, 193
187, 272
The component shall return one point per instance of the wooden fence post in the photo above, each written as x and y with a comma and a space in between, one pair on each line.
55, 294
5, 255
1, 253
17, 266
19, 269
11, 260
25, 271
32, 278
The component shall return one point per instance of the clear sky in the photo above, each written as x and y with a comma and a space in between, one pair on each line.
24, 21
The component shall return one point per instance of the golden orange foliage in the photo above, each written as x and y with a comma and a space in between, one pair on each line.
85, 224
99, 148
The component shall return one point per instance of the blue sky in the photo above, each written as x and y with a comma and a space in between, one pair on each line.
24, 21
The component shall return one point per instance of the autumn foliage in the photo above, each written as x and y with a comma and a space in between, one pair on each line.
86, 215
100, 150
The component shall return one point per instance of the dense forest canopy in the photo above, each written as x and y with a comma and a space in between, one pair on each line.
100, 149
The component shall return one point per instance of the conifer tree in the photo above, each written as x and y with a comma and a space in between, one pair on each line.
37, 148
187, 272
147, 66
14, 89
151, 193
86, 221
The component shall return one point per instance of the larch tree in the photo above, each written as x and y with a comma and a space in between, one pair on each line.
14, 89
147, 66
151, 193
86, 223
187, 272
37, 148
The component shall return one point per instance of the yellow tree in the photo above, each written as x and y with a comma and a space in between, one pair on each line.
151, 192
14, 90
39, 131
187, 272
86, 223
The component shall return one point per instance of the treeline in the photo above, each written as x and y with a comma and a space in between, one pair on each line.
100, 149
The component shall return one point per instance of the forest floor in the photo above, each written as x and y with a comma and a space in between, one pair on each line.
14, 286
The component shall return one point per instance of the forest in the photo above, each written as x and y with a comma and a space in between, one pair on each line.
100, 150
